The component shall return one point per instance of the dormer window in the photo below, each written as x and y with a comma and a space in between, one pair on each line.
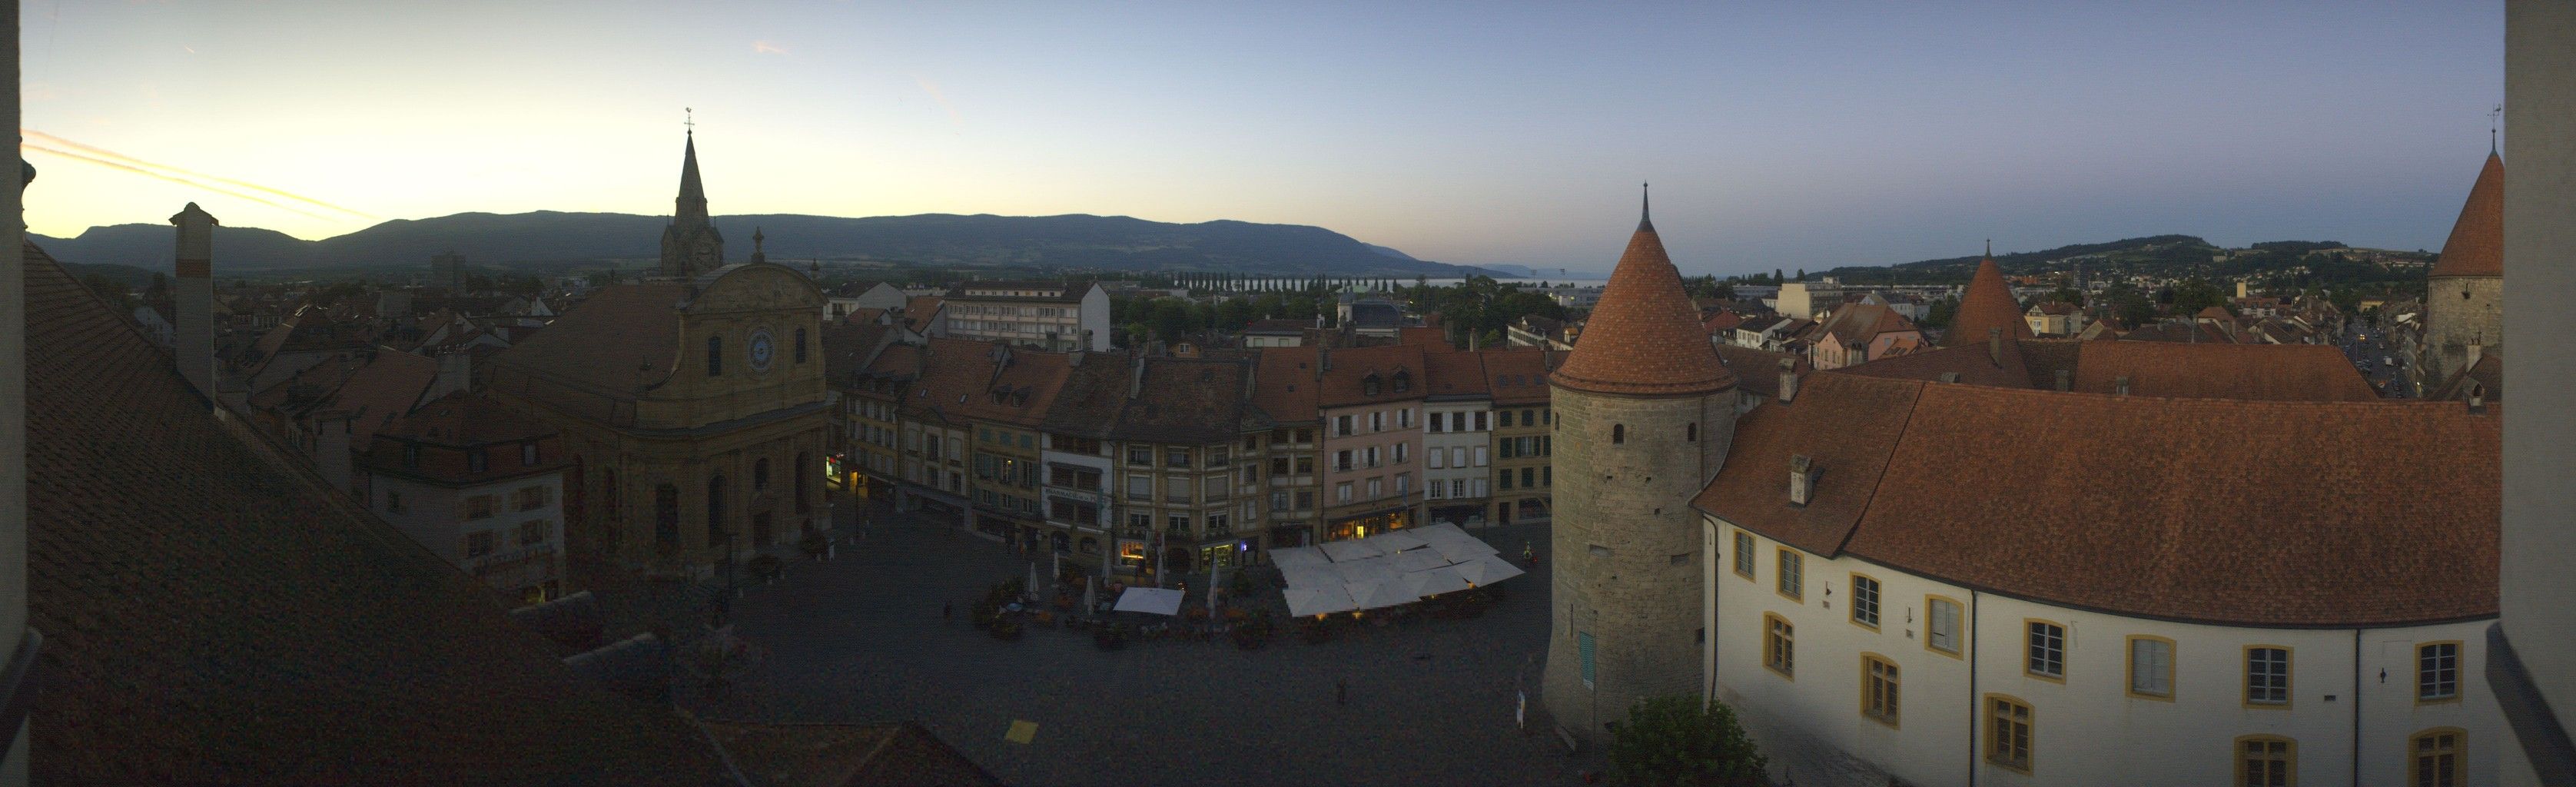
1403, 382
476, 461
411, 456
528, 454
1368, 385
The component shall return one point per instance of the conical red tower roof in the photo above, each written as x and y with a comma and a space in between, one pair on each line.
2476, 247
1988, 304
1644, 338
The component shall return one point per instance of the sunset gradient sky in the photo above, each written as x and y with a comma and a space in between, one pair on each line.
1777, 135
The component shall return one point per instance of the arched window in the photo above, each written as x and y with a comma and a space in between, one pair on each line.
760, 475
802, 471
608, 495
715, 510
715, 355
1690, 434
800, 345
1618, 434
666, 516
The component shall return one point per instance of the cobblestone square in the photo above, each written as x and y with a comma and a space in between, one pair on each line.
861, 638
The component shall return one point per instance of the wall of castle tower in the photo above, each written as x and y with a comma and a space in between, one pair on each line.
1627, 549
2460, 310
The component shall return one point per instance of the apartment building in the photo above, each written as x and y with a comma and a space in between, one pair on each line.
1457, 438
1051, 316
1370, 401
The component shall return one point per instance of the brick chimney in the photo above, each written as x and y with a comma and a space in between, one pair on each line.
193, 294
1802, 479
1788, 380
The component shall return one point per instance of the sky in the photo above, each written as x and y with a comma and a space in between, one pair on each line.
1777, 135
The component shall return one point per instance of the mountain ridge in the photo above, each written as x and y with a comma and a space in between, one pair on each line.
930, 239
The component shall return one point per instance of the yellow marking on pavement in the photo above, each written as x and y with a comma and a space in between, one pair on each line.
1022, 732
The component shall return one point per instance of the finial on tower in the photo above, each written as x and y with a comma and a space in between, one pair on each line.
2494, 118
1990, 247
689, 118
1645, 207
757, 255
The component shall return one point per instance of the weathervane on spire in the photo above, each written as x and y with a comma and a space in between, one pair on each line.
1990, 247
1645, 200
689, 118
2494, 118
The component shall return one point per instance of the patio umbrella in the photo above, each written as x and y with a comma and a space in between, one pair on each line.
1461, 551
1157, 601
1380, 593
1418, 560
1487, 570
1323, 600
1344, 551
1298, 556
1366, 570
1303, 576
1444, 579
1398, 541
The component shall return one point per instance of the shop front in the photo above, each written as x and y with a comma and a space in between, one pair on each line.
1471, 515
1288, 535
1365, 525
1230, 554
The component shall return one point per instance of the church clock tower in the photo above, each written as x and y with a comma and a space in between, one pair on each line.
1644, 415
690, 246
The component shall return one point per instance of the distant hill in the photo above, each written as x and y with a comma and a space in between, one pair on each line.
1071, 241
2169, 256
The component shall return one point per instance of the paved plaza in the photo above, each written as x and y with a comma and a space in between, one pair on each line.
861, 638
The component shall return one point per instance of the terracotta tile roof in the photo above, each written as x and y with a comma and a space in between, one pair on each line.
448, 427
1519, 374
2223, 511
2476, 246
1277, 327
380, 392
2258, 372
1345, 383
1286, 390
239, 624
1429, 336
1758, 371
620, 342
1185, 400
864, 316
1456, 374
848, 347
964, 378
1988, 304
1722, 322
1094, 393
1974, 364
919, 313
1644, 338
1858, 324
2486, 378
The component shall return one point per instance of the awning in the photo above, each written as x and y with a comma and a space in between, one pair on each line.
1158, 601
1323, 600
1307, 576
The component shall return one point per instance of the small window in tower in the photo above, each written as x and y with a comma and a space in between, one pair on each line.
1618, 434
1690, 434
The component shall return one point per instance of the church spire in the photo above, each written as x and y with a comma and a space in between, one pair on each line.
692, 205
690, 244
1645, 207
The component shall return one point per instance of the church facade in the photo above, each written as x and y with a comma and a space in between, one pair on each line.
692, 404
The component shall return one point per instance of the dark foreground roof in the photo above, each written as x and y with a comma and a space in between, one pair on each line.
210, 618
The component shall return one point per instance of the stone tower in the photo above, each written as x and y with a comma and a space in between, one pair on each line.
690, 246
1644, 414
2464, 297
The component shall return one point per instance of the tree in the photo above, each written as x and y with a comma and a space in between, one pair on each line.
1682, 740
1171, 319
1940, 314
109, 289
2195, 294
1777, 277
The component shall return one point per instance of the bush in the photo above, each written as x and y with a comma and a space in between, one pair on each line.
1682, 740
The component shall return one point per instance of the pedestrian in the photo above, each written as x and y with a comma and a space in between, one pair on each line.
1341, 692
1526, 553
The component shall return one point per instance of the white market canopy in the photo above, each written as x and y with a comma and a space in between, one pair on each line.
1345, 551
1487, 570
1385, 570
1319, 600
1157, 601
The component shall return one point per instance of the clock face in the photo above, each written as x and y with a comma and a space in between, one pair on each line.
761, 349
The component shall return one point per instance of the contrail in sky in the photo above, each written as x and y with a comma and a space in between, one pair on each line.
135, 163
172, 178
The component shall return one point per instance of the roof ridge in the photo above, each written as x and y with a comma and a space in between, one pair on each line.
1861, 517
